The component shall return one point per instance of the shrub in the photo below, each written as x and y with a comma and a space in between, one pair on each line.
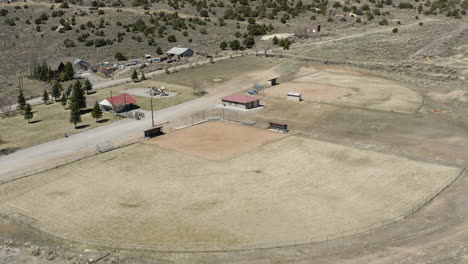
383, 22
234, 44
395, 30
171, 38
69, 43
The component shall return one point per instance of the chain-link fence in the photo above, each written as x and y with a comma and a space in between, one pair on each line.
332, 239
83, 154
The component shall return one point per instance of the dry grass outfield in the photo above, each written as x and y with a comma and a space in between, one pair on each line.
50, 122
224, 70
216, 140
292, 189
351, 89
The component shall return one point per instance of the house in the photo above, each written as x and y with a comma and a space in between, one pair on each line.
117, 103
181, 52
241, 101
81, 65
61, 67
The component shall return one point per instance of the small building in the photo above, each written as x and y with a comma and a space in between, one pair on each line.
273, 81
117, 103
181, 52
241, 101
81, 65
313, 29
295, 96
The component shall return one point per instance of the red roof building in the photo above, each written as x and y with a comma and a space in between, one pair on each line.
241, 101
122, 99
117, 103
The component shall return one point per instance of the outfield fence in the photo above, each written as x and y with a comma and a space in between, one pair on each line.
342, 237
83, 154
338, 238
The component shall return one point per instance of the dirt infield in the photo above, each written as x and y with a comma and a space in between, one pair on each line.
216, 140
351, 89
145, 194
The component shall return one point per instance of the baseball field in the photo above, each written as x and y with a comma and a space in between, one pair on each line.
259, 187
351, 88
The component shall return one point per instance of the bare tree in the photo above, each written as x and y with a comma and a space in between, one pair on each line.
6, 106
197, 87
265, 46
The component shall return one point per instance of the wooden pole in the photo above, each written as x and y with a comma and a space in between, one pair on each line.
152, 113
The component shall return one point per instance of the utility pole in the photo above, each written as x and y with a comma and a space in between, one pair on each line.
125, 104
152, 113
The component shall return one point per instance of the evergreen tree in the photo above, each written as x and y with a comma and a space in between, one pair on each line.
134, 76
75, 115
97, 112
142, 76
88, 86
45, 97
21, 101
159, 51
63, 100
69, 90
28, 113
78, 96
56, 90
69, 72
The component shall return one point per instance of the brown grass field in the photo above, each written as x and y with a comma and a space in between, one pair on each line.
350, 88
289, 190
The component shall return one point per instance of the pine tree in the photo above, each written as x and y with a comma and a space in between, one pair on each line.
88, 86
28, 113
142, 76
21, 101
78, 97
69, 90
69, 72
45, 97
134, 76
97, 112
75, 115
63, 100
56, 90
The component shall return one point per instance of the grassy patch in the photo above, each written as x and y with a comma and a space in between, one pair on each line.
50, 122
184, 94
32, 88
224, 70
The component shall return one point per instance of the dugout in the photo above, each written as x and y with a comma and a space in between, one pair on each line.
278, 126
154, 132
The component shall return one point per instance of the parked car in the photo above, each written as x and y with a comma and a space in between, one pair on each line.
155, 60
171, 61
134, 62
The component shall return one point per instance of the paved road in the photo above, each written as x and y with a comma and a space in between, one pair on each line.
23, 160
